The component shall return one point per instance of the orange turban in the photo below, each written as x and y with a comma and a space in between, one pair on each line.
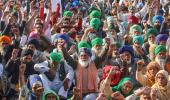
5, 39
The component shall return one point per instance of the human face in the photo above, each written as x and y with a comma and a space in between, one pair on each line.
138, 45
78, 38
157, 22
37, 89
152, 70
51, 97
126, 56
27, 58
84, 56
15, 30
161, 80
162, 43
152, 38
145, 97
61, 42
127, 87
31, 46
161, 55
38, 28
136, 33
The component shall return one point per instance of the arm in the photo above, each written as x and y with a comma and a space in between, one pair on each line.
70, 72
141, 78
69, 59
9, 67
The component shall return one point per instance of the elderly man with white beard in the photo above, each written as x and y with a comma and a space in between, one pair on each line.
86, 71
161, 58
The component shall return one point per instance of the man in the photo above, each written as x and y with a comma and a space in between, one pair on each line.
161, 58
97, 46
12, 67
85, 69
58, 76
34, 45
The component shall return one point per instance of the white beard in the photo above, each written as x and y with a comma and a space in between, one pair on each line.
84, 64
150, 42
161, 62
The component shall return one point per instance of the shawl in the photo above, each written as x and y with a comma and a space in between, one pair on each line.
86, 76
121, 83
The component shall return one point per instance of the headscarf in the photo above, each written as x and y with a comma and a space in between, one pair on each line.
95, 14
121, 83
161, 37
68, 13
49, 92
96, 41
57, 57
151, 80
5, 39
135, 28
138, 39
151, 31
159, 48
162, 92
158, 17
115, 78
126, 48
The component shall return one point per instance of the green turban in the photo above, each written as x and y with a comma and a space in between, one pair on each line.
68, 13
135, 28
95, 14
57, 57
83, 44
151, 31
159, 48
49, 92
96, 41
138, 39
95, 23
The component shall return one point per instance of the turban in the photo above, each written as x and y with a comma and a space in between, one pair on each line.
159, 48
65, 37
96, 41
158, 17
161, 37
138, 39
83, 44
95, 14
35, 42
5, 39
126, 48
135, 27
46, 92
68, 13
57, 57
85, 50
95, 23
134, 19
151, 31
27, 52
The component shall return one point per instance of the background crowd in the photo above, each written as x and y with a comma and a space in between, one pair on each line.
84, 49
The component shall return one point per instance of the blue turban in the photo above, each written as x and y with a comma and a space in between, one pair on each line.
63, 36
126, 48
33, 79
158, 17
85, 50
161, 37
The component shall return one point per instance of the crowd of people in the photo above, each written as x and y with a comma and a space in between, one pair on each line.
84, 49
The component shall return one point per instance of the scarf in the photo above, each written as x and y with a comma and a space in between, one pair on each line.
86, 79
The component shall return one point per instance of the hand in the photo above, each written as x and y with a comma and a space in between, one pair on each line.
143, 90
22, 68
72, 49
65, 83
117, 96
153, 94
140, 64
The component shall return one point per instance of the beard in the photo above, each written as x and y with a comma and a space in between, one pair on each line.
150, 42
85, 63
161, 62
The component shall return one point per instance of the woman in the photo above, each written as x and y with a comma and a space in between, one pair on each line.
125, 86
149, 78
50, 95
162, 85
